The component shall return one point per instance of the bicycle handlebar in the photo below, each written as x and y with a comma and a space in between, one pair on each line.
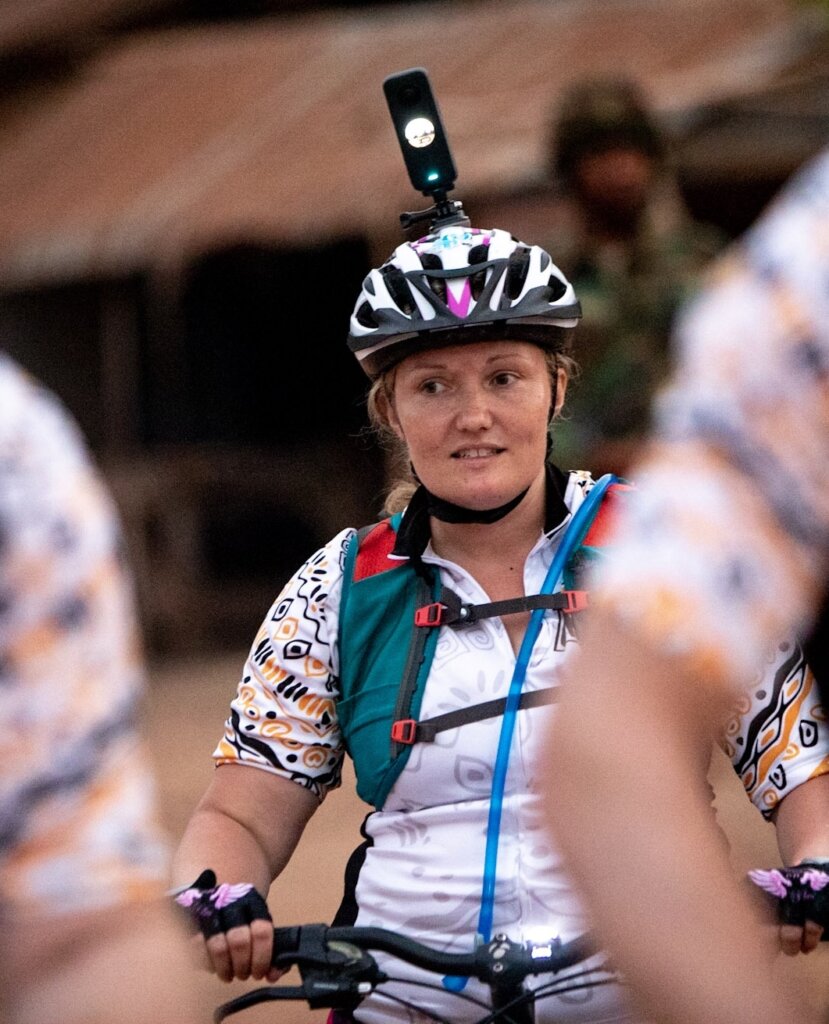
290, 945
338, 970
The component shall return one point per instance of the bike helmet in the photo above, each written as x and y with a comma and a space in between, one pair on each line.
460, 284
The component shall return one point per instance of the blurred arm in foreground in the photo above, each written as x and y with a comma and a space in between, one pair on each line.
87, 933
724, 549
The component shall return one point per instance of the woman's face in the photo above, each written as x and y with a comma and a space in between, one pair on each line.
474, 419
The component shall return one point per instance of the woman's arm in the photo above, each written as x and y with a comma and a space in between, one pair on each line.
802, 823
245, 829
281, 752
779, 744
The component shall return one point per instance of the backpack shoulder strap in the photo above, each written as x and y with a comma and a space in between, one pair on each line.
384, 657
374, 545
603, 527
367, 554
599, 534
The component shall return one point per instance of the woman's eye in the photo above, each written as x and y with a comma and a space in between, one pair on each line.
431, 387
503, 379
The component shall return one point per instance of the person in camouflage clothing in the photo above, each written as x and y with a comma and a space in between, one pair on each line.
633, 254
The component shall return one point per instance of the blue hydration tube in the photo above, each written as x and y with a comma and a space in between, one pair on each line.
573, 536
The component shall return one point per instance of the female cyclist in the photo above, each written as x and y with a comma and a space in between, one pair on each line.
371, 648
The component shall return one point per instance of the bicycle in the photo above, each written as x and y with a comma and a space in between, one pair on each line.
338, 971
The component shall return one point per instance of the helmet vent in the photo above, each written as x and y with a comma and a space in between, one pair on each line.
365, 316
478, 254
557, 287
398, 288
519, 265
431, 261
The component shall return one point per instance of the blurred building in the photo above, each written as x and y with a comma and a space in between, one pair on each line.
189, 201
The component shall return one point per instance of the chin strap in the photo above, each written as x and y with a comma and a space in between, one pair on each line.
448, 512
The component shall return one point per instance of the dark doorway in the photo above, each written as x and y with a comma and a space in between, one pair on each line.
260, 436
266, 356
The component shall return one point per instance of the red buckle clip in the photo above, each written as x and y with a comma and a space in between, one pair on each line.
576, 601
404, 731
430, 614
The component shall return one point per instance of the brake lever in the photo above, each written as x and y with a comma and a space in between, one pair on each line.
334, 973
327, 989
256, 996
334, 977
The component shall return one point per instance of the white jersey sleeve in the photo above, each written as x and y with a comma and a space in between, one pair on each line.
284, 716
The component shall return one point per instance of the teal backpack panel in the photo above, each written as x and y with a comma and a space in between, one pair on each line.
375, 639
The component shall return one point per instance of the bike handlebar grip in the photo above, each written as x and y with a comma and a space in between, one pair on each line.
285, 940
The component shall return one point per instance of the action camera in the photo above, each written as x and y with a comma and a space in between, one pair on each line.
420, 132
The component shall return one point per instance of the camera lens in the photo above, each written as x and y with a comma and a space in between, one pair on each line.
409, 95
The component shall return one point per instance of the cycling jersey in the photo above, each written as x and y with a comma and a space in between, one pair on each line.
728, 534
419, 871
77, 827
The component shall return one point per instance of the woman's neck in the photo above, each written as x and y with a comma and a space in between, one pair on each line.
507, 541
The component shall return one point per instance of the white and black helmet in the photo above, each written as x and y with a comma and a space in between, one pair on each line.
460, 284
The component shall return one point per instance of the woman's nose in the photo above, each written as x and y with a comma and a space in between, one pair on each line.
474, 412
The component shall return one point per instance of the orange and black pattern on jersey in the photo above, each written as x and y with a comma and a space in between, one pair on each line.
778, 738
726, 541
283, 718
77, 825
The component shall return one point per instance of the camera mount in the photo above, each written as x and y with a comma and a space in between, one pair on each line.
424, 146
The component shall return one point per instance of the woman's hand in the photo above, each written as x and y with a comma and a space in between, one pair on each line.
242, 952
235, 928
796, 939
802, 895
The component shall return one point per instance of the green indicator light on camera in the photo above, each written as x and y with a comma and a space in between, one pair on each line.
432, 176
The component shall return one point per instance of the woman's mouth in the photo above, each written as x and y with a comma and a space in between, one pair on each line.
480, 452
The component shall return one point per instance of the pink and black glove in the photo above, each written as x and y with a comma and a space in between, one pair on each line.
218, 908
802, 892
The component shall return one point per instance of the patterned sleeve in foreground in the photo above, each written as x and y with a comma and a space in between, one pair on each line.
702, 570
778, 737
727, 540
78, 830
284, 718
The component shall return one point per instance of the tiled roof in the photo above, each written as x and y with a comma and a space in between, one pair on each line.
178, 140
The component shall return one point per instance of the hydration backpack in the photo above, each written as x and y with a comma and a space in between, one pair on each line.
390, 617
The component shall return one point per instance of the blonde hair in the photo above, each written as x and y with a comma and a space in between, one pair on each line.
379, 399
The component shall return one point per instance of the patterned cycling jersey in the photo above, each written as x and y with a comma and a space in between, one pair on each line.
726, 544
419, 872
77, 830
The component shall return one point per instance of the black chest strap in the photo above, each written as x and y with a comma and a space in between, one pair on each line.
409, 731
451, 611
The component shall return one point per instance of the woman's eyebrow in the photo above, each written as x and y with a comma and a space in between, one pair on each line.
428, 368
509, 357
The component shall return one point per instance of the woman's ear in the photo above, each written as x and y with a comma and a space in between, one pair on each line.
560, 391
385, 406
